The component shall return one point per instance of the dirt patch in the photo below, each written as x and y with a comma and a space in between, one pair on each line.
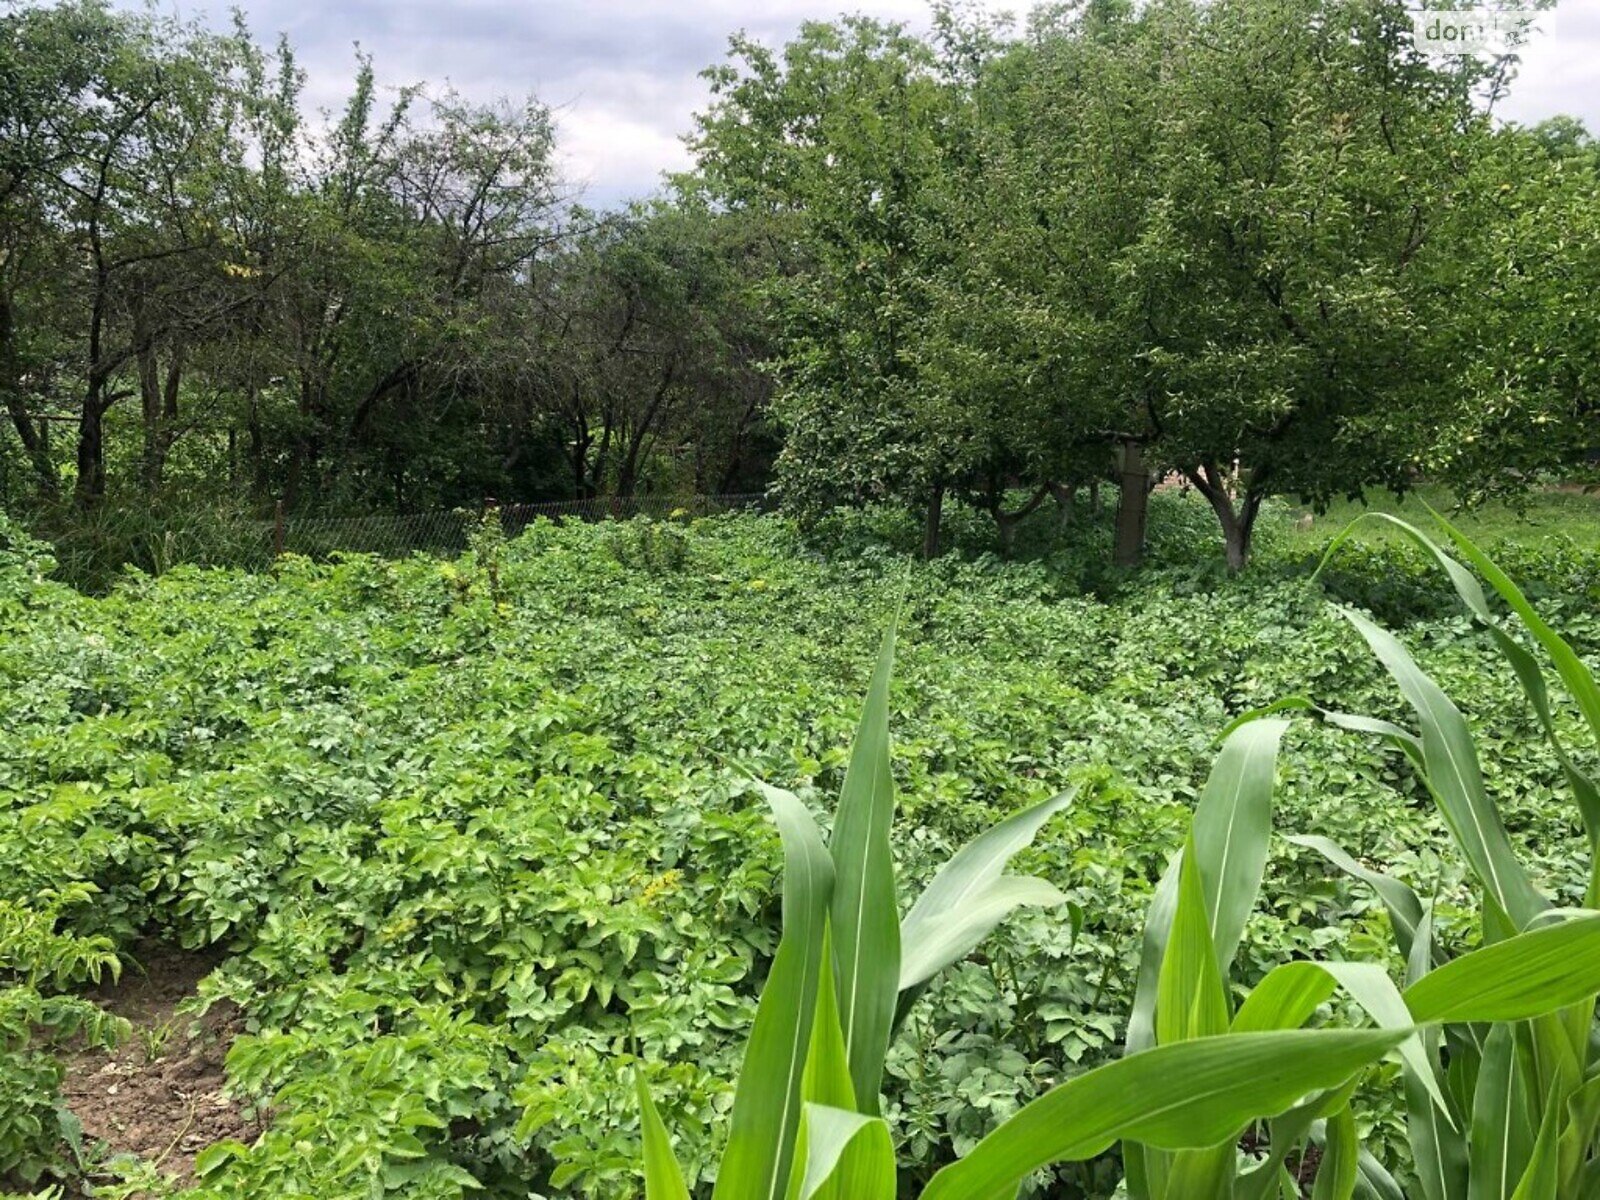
160, 1094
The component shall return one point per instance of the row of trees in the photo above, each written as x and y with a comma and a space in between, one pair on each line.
1262, 244
204, 288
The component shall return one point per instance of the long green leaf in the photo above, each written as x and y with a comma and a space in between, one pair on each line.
1285, 999
663, 1178
1191, 1000
1580, 682
1454, 776
1189, 1095
866, 914
970, 895
826, 1080
1502, 1121
849, 1156
1340, 1167
1577, 677
1536, 972
834, 1170
1438, 1141
766, 1106
1232, 829
1375, 1182
1290, 993
1153, 949
1145, 1170
1583, 1122
1543, 1176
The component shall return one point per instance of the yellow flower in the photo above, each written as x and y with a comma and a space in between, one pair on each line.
662, 883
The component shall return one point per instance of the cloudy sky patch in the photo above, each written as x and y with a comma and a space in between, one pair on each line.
623, 75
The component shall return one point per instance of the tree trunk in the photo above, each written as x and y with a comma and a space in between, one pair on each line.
34, 436
1238, 521
303, 456
91, 486
1007, 522
167, 433
150, 411
1094, 497
932, 521
257, 439
1133, 506
1236, 540
1066, 497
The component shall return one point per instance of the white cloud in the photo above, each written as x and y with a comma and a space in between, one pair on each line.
1560, 71
623, 75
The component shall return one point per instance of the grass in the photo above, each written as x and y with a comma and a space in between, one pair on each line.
1573, 513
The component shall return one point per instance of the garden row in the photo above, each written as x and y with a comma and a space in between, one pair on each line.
466, 835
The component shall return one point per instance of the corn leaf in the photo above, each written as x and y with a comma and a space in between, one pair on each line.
970, 895
1537, 972
849, 1156
1285, 999
1583, 1122
850, 1161
766, 1107
1339, 1170
1188, 1095
865, 909
1454, 776
1577, 677
1232, 829
663, 1179
1153, 950
1543, 1176
1191, 1001
1502, 1120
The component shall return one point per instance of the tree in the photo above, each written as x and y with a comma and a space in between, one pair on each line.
650, 337
1522, 336
835, 144
1263, 183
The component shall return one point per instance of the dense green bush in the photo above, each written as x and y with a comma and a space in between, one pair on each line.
459, 853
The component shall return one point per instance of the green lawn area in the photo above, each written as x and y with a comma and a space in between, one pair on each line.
1569, 513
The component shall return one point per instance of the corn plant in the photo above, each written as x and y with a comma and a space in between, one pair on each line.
1501, 1105
805, 1121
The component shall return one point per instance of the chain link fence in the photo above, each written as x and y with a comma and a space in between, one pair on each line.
445, 533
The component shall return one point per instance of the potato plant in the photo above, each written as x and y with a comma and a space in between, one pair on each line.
458, 852
1198, 1071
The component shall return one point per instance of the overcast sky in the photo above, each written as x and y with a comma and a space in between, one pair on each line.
623, 75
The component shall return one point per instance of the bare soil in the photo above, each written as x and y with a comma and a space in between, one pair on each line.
159, 1095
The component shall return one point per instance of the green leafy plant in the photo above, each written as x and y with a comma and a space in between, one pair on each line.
1502, 1104
37, 1132
486, 541
645, 544
806, 1107
805, 1121
370, 805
